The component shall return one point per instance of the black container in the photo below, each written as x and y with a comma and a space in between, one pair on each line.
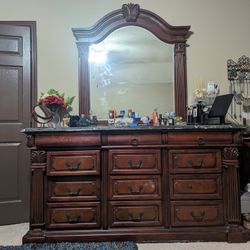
200, 112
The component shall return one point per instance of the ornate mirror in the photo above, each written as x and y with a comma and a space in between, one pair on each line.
132, 58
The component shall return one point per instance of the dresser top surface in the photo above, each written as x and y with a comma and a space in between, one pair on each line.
226, 127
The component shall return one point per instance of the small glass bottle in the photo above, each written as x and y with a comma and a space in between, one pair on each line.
189, 116
129, 113
111, 114
194, 115
171, 118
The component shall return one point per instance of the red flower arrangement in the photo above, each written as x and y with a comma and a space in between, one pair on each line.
56, 101
52, 99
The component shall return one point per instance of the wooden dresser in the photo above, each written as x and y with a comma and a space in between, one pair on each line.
142, 184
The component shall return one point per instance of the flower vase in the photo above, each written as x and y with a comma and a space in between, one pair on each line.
57, 117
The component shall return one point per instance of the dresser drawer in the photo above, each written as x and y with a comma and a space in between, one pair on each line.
73, 162
135, 161
197, 213
199, 138
195, 161
134, 139
74, 190
67, 139
139, 214
207, 186
131, 187
77, 215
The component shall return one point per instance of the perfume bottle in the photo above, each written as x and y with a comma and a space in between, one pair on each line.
194, 115
111, 114
171, 118
154, 118
189, 115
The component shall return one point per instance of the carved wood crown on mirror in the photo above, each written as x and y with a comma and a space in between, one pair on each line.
133, 15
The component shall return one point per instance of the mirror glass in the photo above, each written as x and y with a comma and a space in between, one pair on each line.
131, 69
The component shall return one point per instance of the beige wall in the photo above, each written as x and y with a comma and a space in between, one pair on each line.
220, 27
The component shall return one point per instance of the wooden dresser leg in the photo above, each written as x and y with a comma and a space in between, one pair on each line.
236, 232
36, 234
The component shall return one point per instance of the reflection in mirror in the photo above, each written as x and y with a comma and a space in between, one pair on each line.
131, 69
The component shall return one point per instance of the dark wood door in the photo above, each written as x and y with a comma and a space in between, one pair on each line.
17, 94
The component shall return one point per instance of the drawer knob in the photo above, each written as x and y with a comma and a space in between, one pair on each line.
137, 166
73, 166
70, 193
198, 217
200, 141
73, 220
134, 142
134, 190
197, 164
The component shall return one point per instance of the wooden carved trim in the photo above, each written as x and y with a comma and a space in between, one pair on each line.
238, 138
83, 49
30, 141
230, 157
230, 153
180, 79
180, 48
38, 167
164, 138
231, 187
131, 11
132, 14
38, 156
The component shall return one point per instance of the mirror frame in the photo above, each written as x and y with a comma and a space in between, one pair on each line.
133, 15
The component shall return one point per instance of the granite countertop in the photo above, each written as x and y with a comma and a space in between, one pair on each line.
227, 127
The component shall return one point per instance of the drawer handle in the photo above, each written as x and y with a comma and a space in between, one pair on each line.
195, 165
135, 166
135, 217
200, 141
134, 142
73, 166
73, 220
132, 189
70, 193
199, 217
